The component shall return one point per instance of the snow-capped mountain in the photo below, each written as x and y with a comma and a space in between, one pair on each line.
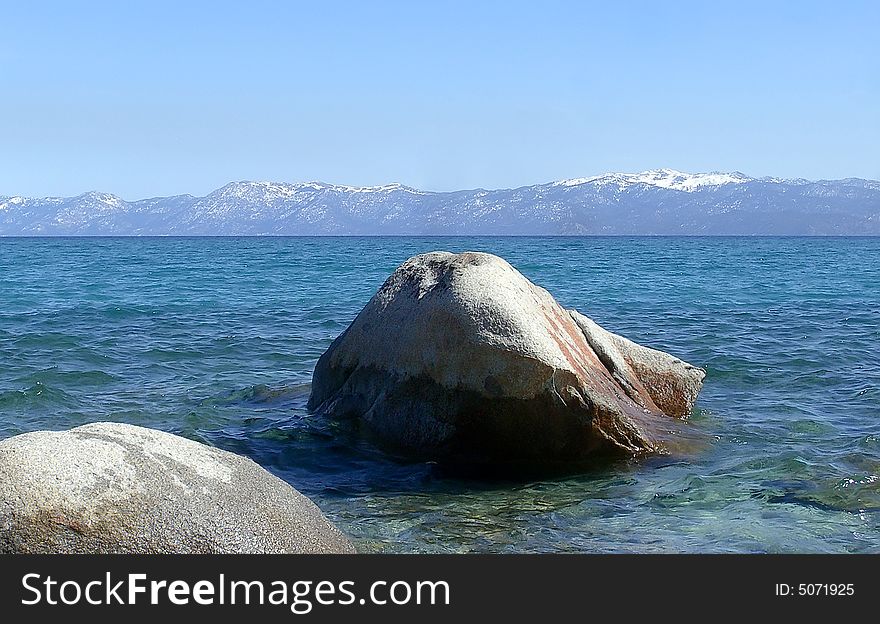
657, 202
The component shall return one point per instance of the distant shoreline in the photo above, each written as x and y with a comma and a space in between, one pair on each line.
480, 236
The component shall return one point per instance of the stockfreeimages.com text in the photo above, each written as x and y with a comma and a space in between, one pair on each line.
300, 596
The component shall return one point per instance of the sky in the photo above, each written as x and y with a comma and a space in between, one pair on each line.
152, 98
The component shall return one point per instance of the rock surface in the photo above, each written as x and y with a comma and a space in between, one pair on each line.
116, 488
462, 357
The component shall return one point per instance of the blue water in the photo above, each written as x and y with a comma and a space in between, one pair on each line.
215, 339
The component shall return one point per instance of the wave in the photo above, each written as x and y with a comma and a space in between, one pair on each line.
37, 394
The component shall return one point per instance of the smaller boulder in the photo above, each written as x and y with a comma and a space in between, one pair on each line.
116, 488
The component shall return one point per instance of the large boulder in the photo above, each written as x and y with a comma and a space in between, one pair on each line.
115, 488
461, 357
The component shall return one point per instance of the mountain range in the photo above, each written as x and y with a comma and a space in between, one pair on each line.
657, 202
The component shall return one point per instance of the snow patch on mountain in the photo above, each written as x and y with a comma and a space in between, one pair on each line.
661, 178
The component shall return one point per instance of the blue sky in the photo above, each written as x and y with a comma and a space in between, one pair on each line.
155, 98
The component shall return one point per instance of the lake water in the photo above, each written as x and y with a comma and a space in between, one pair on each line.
216, 338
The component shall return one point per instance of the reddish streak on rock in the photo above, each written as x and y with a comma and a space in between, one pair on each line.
563, 326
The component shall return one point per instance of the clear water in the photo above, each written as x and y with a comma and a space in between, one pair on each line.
215, 339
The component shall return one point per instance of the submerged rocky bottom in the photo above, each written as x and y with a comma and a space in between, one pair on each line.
216, 339
698, 502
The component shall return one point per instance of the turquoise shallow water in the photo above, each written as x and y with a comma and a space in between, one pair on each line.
216, 338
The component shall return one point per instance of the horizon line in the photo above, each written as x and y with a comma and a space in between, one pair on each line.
324, 236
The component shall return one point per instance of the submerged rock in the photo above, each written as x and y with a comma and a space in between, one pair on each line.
115, 488
462, 357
